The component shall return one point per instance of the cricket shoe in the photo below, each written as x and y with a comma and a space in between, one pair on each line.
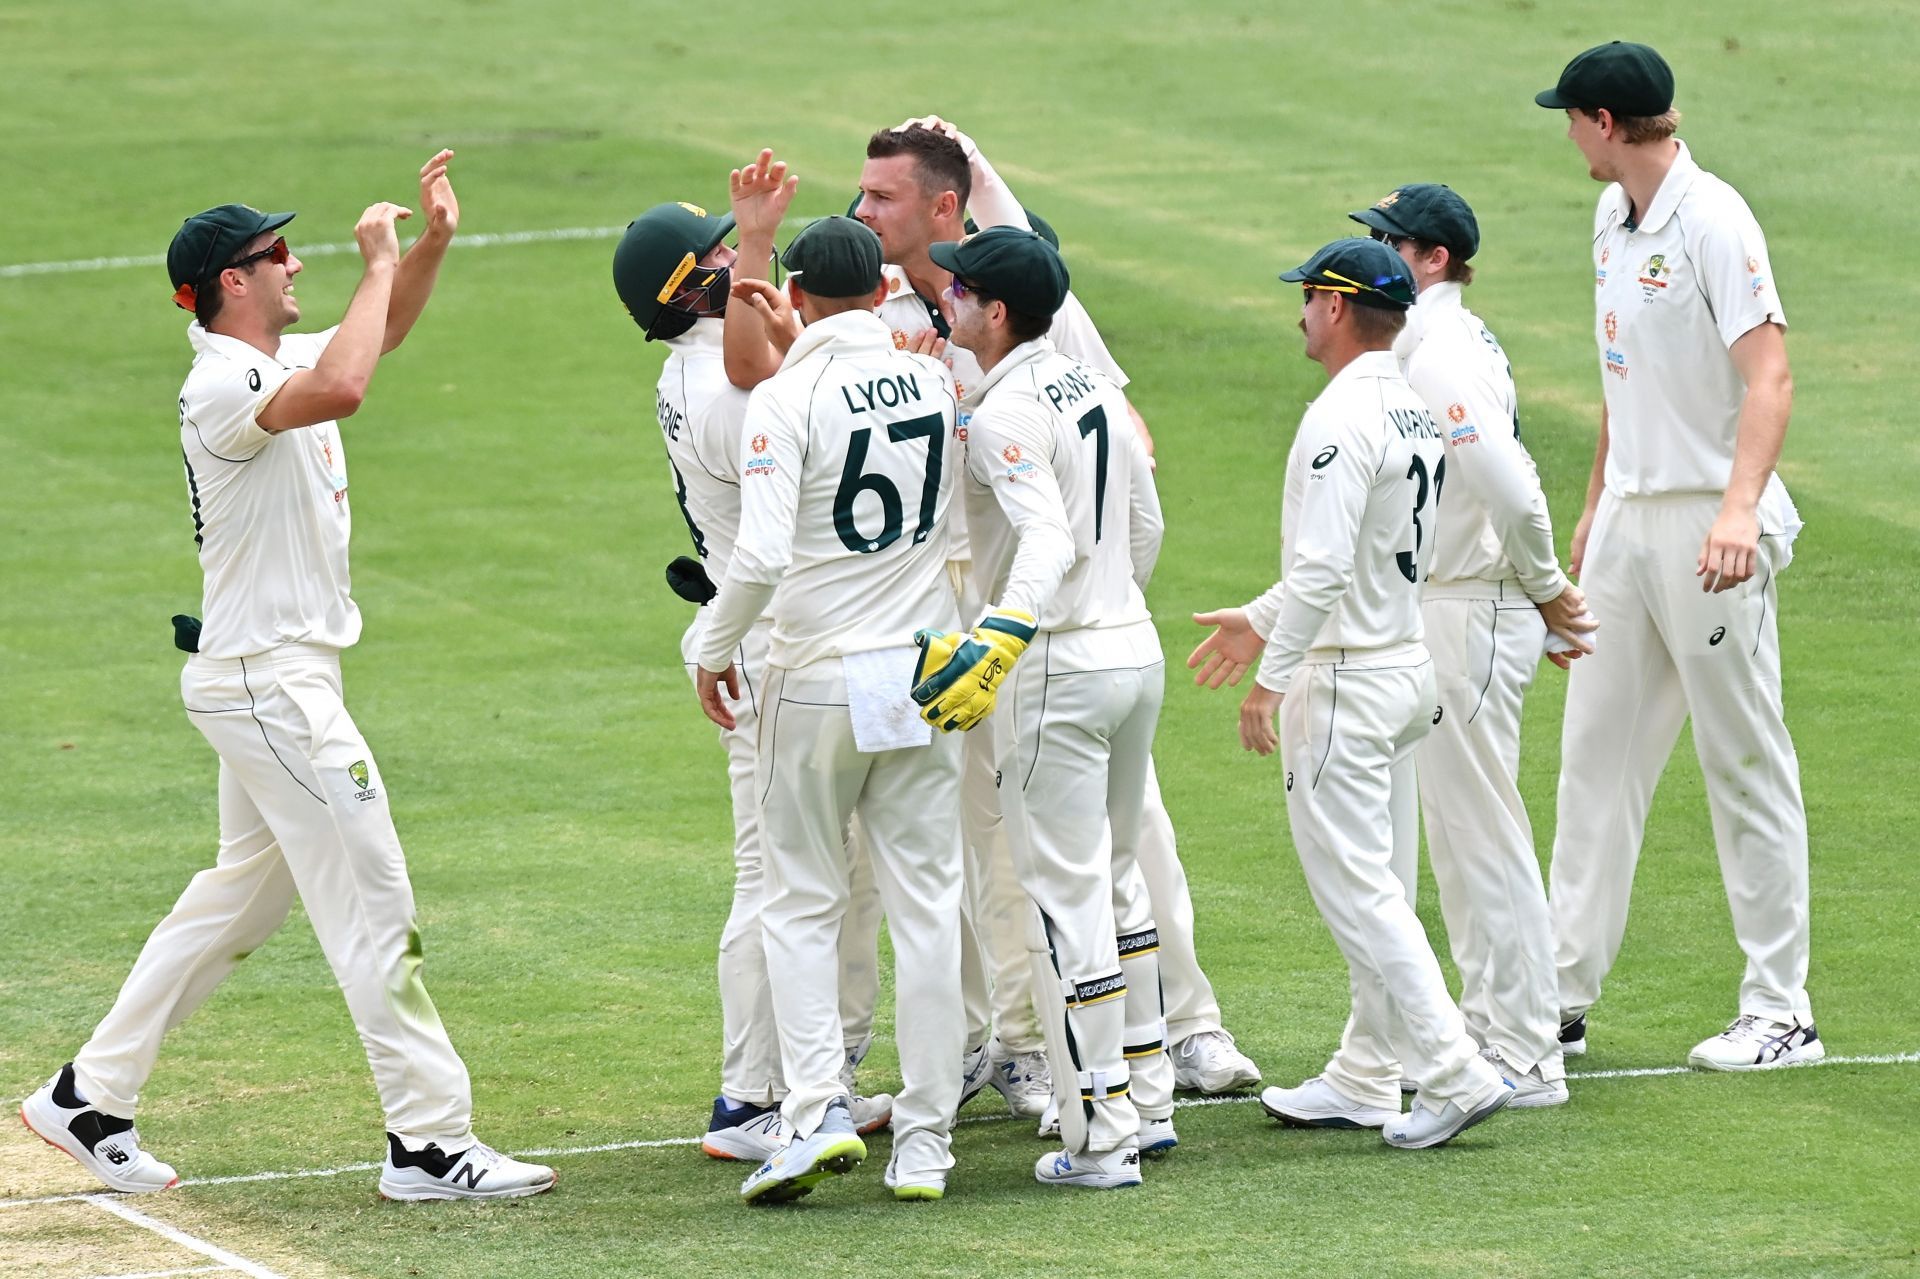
1318, 1104
105, 1145
478, 1172
796, 1168
747, 1132
976, 1072
1758, 1043
1420, 1127
1113, 1169
1208, 1062
919, 1188
1531, 1088
1157, 1136
1573, 1035
1050, 1120
871, 1114
1024, 1079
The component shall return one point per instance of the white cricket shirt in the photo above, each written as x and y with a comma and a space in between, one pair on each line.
848, 459
1066, 522
270, 509
1356, 522
700, 414
1671, 294
1493, 522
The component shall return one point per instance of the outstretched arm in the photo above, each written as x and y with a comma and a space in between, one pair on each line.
418, 271
760, 194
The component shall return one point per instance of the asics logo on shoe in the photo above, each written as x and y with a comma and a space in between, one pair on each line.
112, 1154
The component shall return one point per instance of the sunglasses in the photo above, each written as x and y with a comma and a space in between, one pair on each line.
277, 252
961, 289
1388, 238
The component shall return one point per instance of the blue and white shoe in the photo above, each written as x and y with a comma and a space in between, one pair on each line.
1758, 1043
1024, 1079
748, 1132
796, 1168
1421, 1128
976, 1072
1157, 1137
1114, 1169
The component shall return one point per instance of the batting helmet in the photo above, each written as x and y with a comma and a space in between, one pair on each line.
656, 268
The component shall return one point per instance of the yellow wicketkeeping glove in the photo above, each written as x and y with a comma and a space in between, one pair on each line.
958, 676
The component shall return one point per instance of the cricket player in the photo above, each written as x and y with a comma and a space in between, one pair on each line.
303, 805
1066, 528
1686, 529
1493, 595
845, 483
672, 270
1345, 668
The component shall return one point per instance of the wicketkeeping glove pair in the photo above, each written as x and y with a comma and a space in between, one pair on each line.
958, 675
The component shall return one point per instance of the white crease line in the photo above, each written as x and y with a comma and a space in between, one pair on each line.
212, 1251
1183, 1103
168, 1274
483, 240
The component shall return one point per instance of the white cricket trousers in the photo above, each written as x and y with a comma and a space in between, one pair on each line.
1486, 651
1668, 650
1344, 728
1075, 738
303, 808
813, 781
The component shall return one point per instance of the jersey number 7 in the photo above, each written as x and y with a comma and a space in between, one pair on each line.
854, 481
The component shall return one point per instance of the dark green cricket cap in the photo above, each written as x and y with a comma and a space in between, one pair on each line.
1367, 271
1427, 211
834, 257
1018, 267
1627, 79
208, 240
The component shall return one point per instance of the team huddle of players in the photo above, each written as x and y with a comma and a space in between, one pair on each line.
924, 518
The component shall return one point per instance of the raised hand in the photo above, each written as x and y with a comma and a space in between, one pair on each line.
759, 195
379, 241
436, 196
773, 307
1224, 656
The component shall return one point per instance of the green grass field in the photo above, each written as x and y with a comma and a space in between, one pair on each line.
562, 800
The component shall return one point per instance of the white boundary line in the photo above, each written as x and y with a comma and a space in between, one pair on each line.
656, 1143
173, 1234
484, 240
168, 1274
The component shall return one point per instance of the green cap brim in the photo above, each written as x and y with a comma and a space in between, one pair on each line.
1379, 221
1551, 99
946, 254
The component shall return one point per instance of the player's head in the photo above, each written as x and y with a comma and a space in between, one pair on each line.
833, 266
231, 261
1355, 295
1429, 226
913, 190
1618, 97
1007, 285
671, 268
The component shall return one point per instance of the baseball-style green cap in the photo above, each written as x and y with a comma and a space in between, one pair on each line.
208, 240
1429, 211
1018, 267
654, 268
834, 257
1367, 271
1627, 79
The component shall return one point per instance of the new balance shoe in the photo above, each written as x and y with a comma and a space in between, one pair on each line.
1208, 1062
871, 1114
105, 1145
1758, 1043
1023, 1079
976, 1072
1531, 1088
748, 1132
795, 1169
1050, 1120
478, 1172
1573, 1035
1420, 1127
1318, 1104
1113, 1169
919, 1187
1157, 1136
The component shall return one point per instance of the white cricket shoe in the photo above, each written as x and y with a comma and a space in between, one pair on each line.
105, 1145
1318, 1104
796, 1168
1573, 1035
1208, 1062
478, 1172
1758, 1043
1050, 1120
871, 1114
1531, 1088
1113, 1169
976, 1072
1157, 1136
747, 1132
921, 1187
1024, 1079
1420, 1127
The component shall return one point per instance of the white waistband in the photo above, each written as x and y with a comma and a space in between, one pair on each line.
1475, 589
279, 653
1411, 653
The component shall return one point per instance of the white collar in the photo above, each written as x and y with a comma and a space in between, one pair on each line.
706, 337
1673, 188
208, 342
849, 330
1024, 353
1366, 364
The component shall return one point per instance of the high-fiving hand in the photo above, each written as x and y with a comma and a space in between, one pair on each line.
437, 198
759, 195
